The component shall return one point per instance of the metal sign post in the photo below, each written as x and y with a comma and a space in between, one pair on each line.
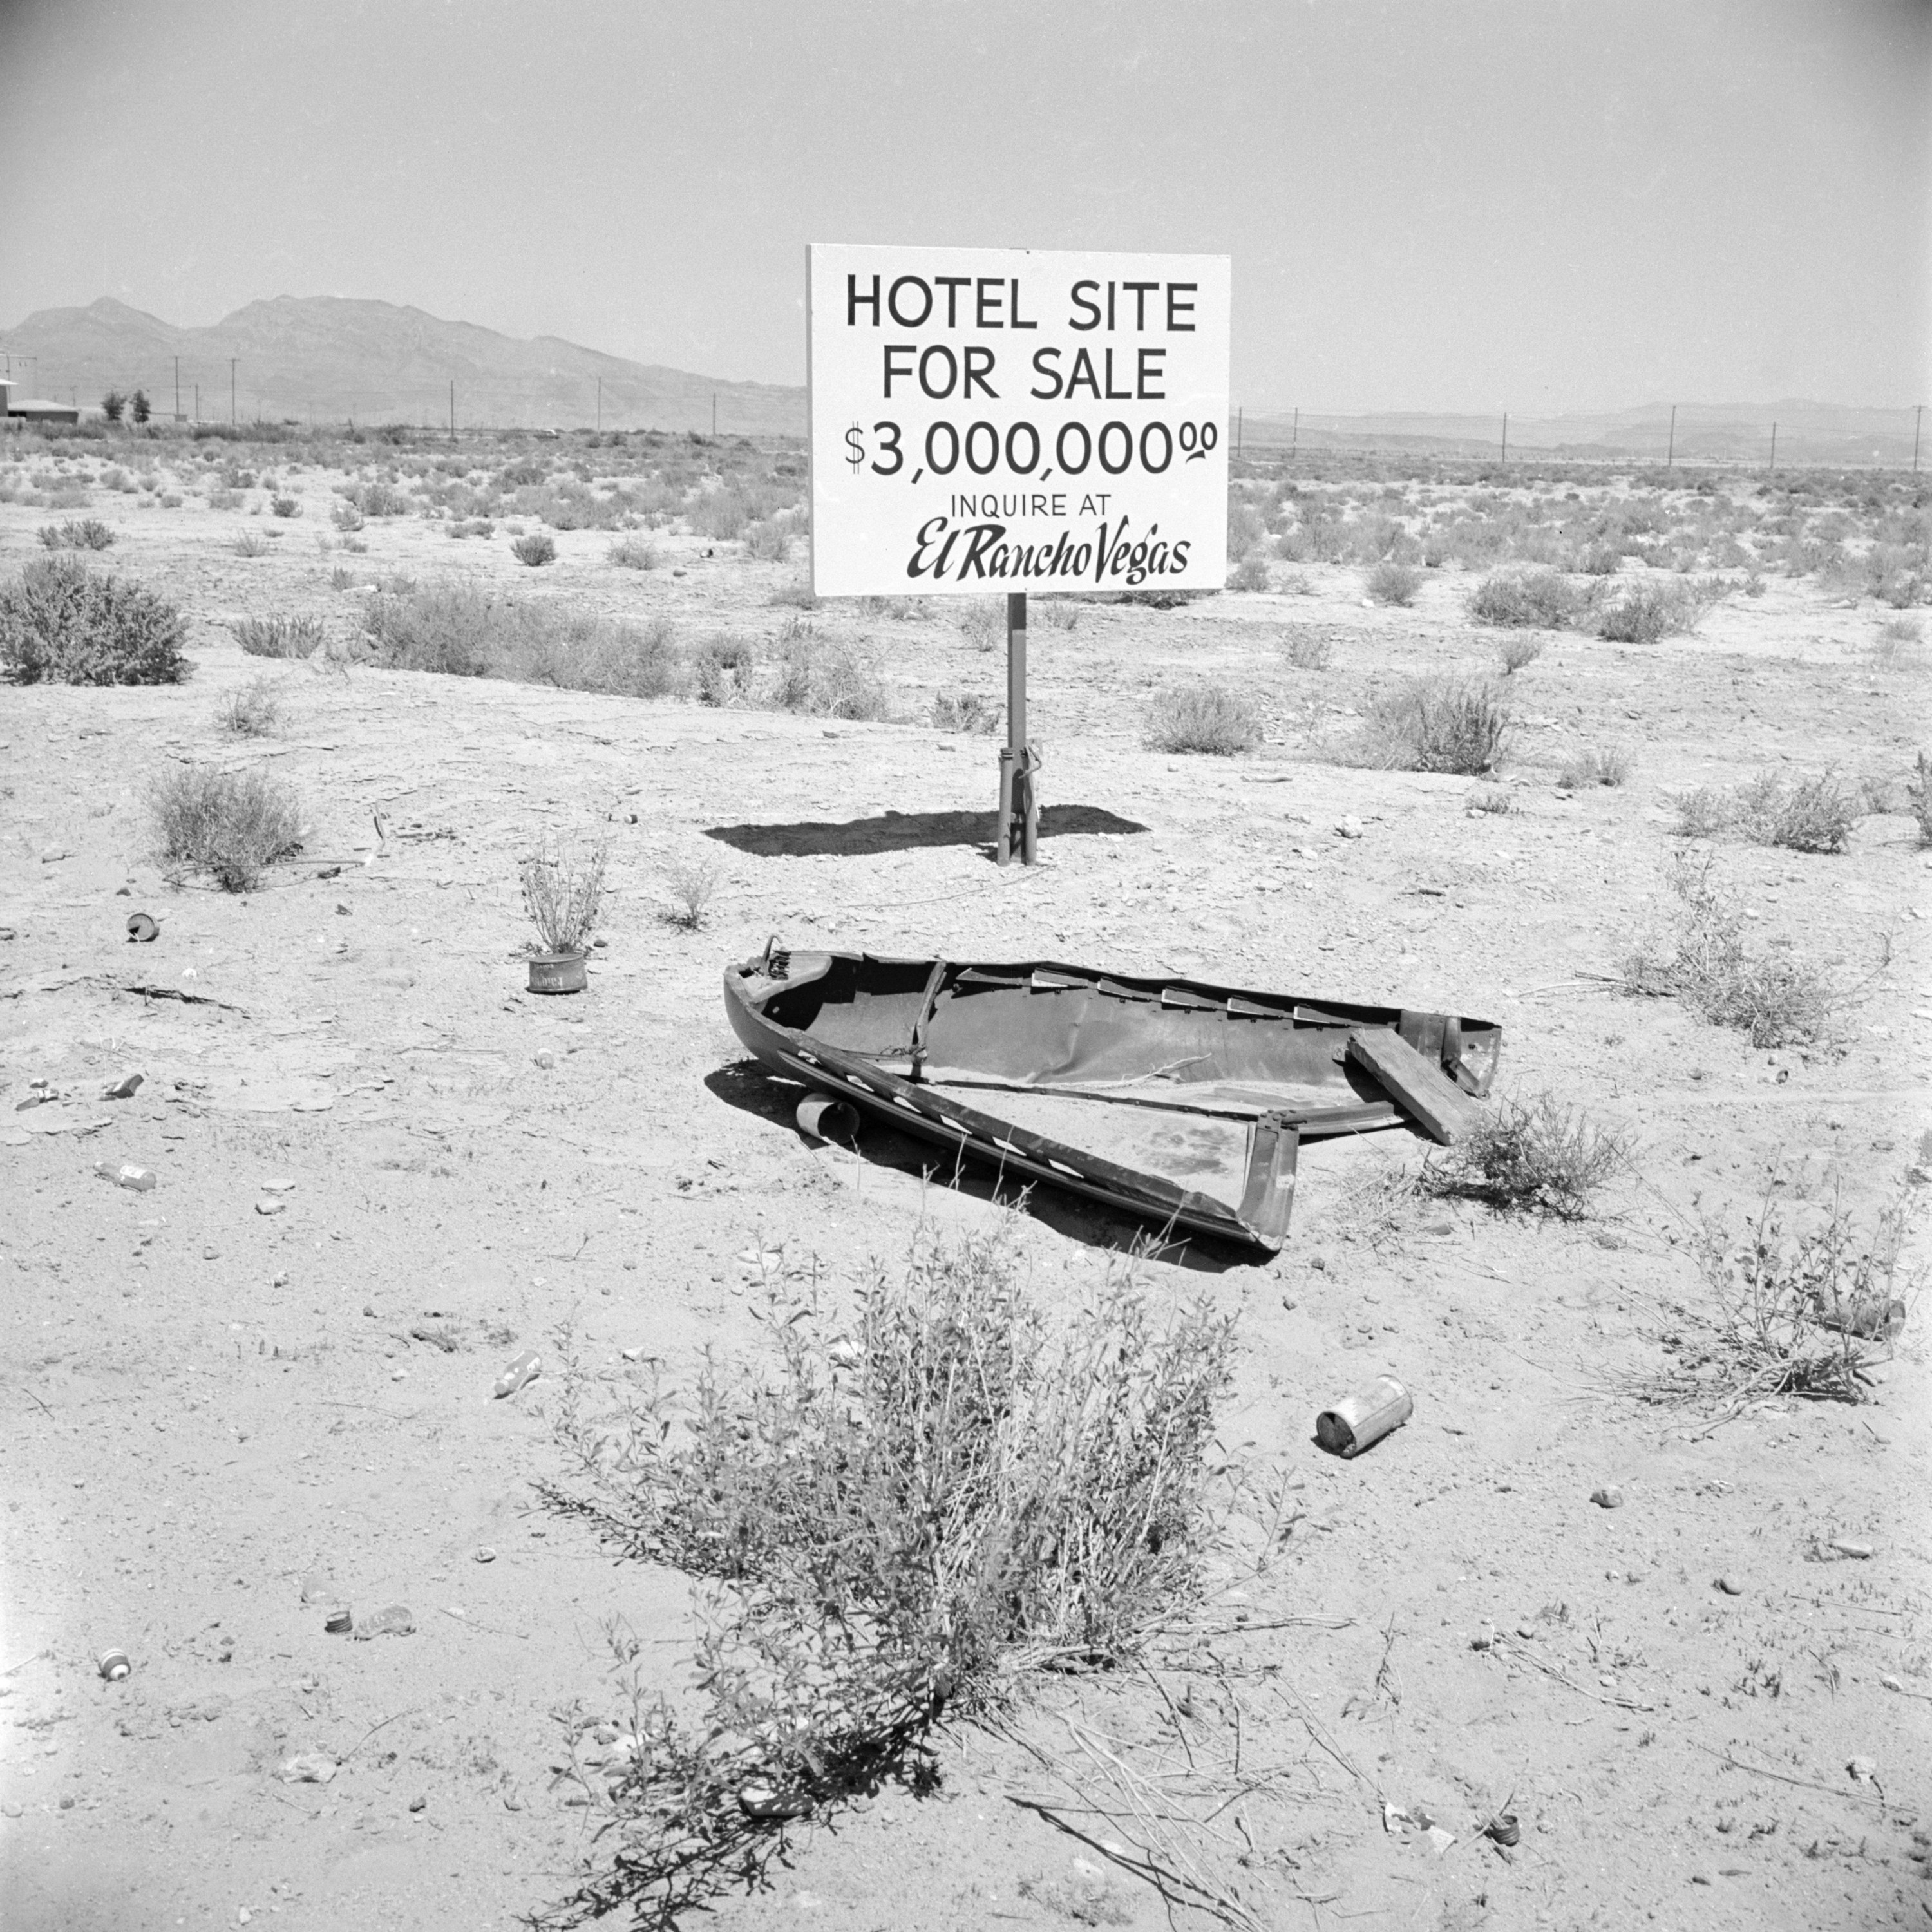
1019, 809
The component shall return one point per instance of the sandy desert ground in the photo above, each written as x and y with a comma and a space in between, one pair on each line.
1706, 1708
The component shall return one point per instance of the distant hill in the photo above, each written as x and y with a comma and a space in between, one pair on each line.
1822, 433
326, 358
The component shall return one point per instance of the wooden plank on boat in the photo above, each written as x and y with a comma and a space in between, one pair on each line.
1424, 1093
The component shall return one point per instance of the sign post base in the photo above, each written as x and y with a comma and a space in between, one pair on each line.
1019, 809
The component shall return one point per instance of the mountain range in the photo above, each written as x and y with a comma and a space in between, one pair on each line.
331, 359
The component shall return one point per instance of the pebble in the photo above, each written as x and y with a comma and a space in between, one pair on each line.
1861, 1550
545, 1057
1350, 827
1862, 1769
1725, 1584
124, 1088
486, 1555
418, 1804
278, 1186
211, 1254
1608, 1497
1891, 1683
268, 1205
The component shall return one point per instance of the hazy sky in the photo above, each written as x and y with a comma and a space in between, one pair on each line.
1533, 205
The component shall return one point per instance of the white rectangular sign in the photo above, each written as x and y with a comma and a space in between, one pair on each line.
988, 419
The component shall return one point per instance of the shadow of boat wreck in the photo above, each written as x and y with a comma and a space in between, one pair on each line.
907, 831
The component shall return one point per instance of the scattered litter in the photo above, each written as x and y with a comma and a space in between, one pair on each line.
1608, 1497
124, 1173
1725, 1584
308, 1768
278, 1186
394, 1621
1871, 1315
1846, 1548
123, 1089
544, 1057
1861, 1770
1363, 1418
141, 928
766, 1801
340, 1621
1439, 1839
525, 1369
827, 1119
316, 1586
115, 1665
268, 1205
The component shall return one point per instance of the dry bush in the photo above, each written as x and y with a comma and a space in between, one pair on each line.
1805, 1310
1207, 715
1518, 653
345, 517
232, 825
1491, 798
1644, 613
252, 712
1250, 574
1806, 814
692, 883
1446, 724
722, 668
984, 621
563, 892
61, 624
966, 711
1536, 1155
1775, 997
631, 554
279, 637
250, 543
768, 541
1306, 649
536, 550
798, 595
1523, 597
1918, 797
1390, 582
83, 533
1596, 765
900, 1518
829, 680
1054, 614
1703, 812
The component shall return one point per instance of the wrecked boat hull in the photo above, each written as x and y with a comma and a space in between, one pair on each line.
1178, 1101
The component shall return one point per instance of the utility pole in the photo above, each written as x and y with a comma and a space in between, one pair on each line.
1917, 421
1670, 455
1774, 449
1506, 435
232, 417
452, 408
197, 402
714, 416
1295, 433
177, 388
600, 405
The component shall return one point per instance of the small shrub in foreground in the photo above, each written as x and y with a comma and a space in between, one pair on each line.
249, 543
1435, 724
1207, 715
81, 533
691, 884
829, 680
1599, 765
1918, 797
965, 711
563, 892
1518, 653
1645, 613
1250, 574
252, 712
536, 549
1806, 815
1532, 598
280, 637
722, 668
630, 554
232, 825
1392, 583
61, 624
902, 1517
1537, 1154
1306, 649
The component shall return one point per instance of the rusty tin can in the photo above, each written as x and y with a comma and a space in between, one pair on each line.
114, 1665
1364, 1418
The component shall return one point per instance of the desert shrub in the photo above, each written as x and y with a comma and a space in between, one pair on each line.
722, 666
285, 506
345, 516
1806, 814
1643, 613
1776, 998
1491, 798
629, 554
251, 543
1703, 812
83, 533
1801, 1304
279, 637
1518, 653
232, 825
1207, 715
1306, 649
1918, 797
61, 624
536, 549
721, 514
769, 541
1526, 598
690, 885
902, 1518
1895, 636
1390, 582
1536, 1154
1596, 765
796, 595
252, 712
376, 500
828, 680
1600, 560
1250, 574
966, 711
1445, 723
563, 892
984, 621
1054, 614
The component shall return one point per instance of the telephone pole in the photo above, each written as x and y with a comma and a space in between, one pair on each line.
1774, 449
600, 405
1295, 433
714, 416
177, 415
1917, 421
1506, 435
452, 408
233, 419
1670, 455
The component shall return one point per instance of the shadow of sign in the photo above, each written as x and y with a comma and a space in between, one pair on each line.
907, 831
746, 1085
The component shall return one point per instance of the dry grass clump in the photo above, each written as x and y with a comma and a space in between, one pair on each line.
1517, 597
233, 825
826, 678
722, 667
966, 711
1389, 582
1805, 1310
1207, 715
1446, 724
536, 548
249, 543
1306, 648
1804, 814
1643, 613
61, 624
82, 533
691, 884
1537, 1155
1596, 765
1918, 797
1776, 998
632, 553
1250, 574
280, 637
901, 1517
563, 892
252, 712
1517, 653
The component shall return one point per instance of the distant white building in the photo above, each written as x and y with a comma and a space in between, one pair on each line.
30, 409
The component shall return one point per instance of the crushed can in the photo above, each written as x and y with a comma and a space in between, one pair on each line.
114, 1665
1365, 1418
525, 1368
124, 1173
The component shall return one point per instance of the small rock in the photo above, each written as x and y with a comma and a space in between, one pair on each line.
1861, 1770
10, 1810
280, 1280
1725, 1584
1860, 1550
1350, 827
1608, 1497
512, 1802
341, 909
766, 1801
308, 1768
211, 1254
418, 1803
1891, 1683
53, 855
268, 1205
124, 1088
486, 1555
544, 1057
279, 1185
1439, 1228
